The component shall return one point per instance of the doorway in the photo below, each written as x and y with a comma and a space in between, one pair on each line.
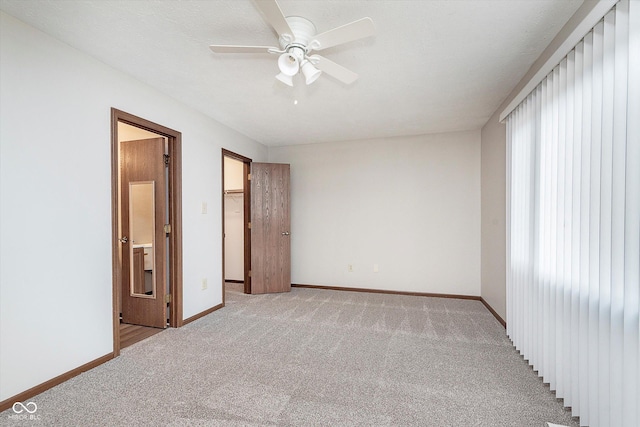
146, 228
236, 242
265, 192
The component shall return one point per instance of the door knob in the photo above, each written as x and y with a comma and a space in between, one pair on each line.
285, 233
125, 239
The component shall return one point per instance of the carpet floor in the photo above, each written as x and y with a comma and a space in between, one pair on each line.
313, 357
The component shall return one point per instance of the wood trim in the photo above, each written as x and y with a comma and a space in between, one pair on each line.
384, 291
175, 219
139, 122
34, 391
419, 294
202, 314
495, 314
236, 156
222, 214
116, 262
246, 170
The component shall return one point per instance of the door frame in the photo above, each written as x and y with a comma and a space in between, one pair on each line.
175, 218
246, 192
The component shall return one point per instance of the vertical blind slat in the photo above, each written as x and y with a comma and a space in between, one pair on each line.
538, 334
575, 224
594, 224
604, 321
560, 227
619, 125
631, 334
584, 226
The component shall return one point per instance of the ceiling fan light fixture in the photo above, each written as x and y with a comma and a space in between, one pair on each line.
310, 72
288, 80
288, 64
297, 38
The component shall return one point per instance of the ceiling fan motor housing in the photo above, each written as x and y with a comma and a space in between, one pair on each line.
303, 32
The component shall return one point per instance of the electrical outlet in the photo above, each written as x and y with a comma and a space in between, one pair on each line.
204, 284
204, 208
375, 268
350, 268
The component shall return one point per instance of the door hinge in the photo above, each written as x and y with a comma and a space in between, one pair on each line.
249, 225
167, 229
249, 273
166, 159
167, 298
248, 177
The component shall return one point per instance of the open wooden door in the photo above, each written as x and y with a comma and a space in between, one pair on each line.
270, 228
143, 207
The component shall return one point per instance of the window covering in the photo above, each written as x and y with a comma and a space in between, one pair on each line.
573, 224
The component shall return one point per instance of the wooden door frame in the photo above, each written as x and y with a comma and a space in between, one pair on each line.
175, 217
246, 187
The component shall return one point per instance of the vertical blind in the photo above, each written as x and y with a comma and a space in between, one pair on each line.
573, 224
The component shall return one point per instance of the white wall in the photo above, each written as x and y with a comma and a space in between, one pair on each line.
494, 138
233, 220
410, 205
234, 237
233, 174
129, 133
55, 202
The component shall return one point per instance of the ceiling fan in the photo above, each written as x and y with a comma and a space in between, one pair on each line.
297, 39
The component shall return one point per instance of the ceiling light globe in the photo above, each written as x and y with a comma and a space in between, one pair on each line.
310, 72
288, 64
288, 80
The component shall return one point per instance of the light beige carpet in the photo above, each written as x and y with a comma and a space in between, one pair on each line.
314, 357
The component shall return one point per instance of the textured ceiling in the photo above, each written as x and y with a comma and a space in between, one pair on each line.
433, 65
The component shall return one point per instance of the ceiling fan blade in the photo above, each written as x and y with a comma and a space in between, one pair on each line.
274, 16
334, 70
225, 48
353, 31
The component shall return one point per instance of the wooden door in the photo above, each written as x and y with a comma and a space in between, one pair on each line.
270, 228
143, 207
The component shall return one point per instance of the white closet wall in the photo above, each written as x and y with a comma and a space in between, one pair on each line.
233, 220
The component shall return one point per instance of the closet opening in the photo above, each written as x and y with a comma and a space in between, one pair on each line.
236, 242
